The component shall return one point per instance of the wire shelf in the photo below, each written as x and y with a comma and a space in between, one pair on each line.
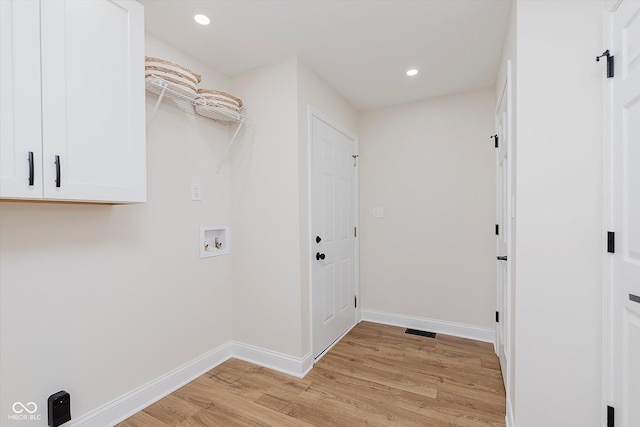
201, 106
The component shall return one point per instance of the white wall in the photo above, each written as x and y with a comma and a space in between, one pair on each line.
559, 205
431, 165
265, 200
98, 300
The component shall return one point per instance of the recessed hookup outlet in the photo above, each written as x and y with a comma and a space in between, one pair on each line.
59, 405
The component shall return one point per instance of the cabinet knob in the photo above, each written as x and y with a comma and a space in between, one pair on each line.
319, 256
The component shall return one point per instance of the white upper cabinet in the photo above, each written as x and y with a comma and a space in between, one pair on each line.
75, 73
20, 114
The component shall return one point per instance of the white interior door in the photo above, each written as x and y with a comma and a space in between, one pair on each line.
503, 222
625, 192
333, 233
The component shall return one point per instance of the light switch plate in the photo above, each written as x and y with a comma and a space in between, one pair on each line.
378, 212
196, 194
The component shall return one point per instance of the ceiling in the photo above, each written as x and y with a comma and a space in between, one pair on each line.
360, 47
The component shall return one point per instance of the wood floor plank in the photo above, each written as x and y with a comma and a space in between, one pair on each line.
376, 375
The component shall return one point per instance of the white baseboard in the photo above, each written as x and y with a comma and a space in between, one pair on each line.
509, 419
438, 326
294, 366
138, 399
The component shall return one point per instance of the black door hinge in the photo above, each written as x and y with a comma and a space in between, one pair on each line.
497, 230
495, 137
611, 242
610, 416
497, 316
355, 231
609, 62
355, 301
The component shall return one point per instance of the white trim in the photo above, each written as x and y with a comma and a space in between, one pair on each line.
608, 224
439, 326
509, 418
136, 400
294, 366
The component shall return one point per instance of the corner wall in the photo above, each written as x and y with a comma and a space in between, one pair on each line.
270, 202
431, 165
265, 205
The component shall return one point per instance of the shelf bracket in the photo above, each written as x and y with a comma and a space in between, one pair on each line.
155, 108
226, 152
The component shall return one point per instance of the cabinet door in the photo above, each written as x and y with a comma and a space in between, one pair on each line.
93, 120
20, 126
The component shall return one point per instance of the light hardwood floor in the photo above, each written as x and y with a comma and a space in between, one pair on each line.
377, 375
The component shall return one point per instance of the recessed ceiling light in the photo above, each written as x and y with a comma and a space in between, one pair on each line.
412, 72
202, 19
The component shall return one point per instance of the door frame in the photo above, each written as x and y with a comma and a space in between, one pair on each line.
311, 113
608, 372
507, 94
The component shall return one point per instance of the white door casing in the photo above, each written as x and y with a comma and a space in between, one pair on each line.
503, 221
622, 347
333, 257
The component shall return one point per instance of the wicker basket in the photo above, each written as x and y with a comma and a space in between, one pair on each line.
184, 81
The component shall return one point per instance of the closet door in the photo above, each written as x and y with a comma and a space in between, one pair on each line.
93, 100
20, 127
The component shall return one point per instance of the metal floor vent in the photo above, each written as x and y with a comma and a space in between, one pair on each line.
421, 333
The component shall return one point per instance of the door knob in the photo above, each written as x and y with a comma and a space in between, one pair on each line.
319, 256
318, 239
502, 258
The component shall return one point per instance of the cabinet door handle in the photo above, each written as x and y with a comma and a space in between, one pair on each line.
57, 171
30, 168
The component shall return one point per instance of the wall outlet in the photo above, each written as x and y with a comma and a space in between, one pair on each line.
378, 212
196, 194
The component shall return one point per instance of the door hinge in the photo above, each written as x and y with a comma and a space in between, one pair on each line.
355, 231
355, 301
497, 230
606, 53
355, 159
611, 242
497, 316
495, 137
610, 416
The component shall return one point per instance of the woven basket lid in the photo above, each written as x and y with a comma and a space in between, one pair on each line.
164, 61
218, 92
